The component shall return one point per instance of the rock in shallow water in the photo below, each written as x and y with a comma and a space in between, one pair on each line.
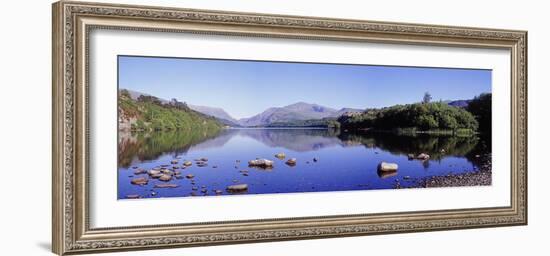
140, 171
153, 172
140, 181
387, 167
291, 161
237, 188
165, 177
280, 156
261, 163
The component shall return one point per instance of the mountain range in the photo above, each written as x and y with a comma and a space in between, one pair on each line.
295, 112
459, 103
299, 111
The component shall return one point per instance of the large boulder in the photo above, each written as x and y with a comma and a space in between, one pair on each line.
237, 188
140, 181
387, 167
153, 172
263, 163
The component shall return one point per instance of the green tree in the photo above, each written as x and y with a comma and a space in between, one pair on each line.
427, 98
480, 107
423, 116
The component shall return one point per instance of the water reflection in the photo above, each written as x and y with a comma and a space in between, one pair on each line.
148, 146
327, 160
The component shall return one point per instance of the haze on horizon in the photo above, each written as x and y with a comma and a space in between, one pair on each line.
245, 88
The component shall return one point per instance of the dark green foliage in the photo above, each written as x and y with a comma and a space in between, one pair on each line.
480, 107
420, 116
151, 114
125, 93
149, 99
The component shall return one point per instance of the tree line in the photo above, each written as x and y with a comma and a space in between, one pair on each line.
425, 116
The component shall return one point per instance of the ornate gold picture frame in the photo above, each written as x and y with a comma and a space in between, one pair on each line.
72, 23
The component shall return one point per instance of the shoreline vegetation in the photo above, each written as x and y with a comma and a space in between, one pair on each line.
149, 113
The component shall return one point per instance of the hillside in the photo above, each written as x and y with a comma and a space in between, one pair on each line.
459, 103
215, 112
148, 113
293, 113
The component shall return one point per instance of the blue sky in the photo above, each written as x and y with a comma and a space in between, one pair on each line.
246, 88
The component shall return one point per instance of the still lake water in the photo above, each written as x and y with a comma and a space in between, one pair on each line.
346, 161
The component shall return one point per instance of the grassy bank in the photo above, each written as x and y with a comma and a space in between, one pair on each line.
150, 114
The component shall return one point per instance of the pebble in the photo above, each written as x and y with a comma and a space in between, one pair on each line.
169, 185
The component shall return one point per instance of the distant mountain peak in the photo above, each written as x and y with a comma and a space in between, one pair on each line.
299, 104
299, 111
459, 103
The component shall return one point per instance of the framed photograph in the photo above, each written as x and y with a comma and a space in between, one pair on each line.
178, 127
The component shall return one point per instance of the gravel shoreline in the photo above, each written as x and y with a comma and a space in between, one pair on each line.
480, 177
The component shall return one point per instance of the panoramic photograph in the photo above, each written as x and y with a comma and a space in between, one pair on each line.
192, 127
